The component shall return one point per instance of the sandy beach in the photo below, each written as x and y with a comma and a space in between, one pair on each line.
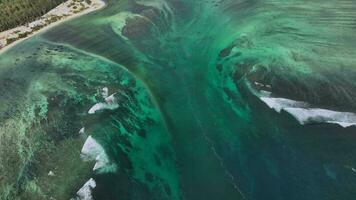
94, 6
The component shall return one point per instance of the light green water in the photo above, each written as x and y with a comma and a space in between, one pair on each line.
188, 125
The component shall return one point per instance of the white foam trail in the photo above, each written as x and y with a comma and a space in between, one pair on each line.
93, 151
111, 99
51, 173
353, 169
265, 93
102, 106
278, 104
105, 92
302, 112
85, 193
315, 115
109, 104
119, 22
158, 4
82, 131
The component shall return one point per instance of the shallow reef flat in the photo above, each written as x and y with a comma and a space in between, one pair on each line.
181, 99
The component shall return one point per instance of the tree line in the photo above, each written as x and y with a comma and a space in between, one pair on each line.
14, 13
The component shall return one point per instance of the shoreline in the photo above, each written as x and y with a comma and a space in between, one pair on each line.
96, 5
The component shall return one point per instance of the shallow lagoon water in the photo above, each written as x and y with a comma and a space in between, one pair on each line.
189, 123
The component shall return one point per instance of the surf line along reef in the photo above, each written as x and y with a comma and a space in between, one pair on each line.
178, 99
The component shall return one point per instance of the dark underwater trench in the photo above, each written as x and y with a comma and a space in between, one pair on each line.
226, 143
189, 125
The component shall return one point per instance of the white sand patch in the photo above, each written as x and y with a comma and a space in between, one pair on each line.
37, 23
62, 10
2, 43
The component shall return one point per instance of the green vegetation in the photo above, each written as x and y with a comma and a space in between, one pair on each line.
19, 12
37, 135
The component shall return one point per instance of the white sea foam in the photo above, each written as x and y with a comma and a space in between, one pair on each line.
85, 193
111, 99
109, 104
101, 106
82, 131
305, 114
278, 104
314, 115
96, 107
93, 151
265, 93
51, 173
105, 92
353, 169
